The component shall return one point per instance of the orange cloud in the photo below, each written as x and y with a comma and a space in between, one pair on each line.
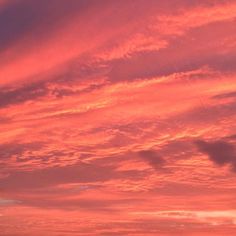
117, 118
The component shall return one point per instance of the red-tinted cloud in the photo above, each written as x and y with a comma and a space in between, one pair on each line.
117, 117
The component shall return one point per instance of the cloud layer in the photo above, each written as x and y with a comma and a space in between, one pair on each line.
117, 117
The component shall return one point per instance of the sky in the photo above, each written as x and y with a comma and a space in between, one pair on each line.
117, 117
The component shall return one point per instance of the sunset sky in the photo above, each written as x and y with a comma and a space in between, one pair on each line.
118, 117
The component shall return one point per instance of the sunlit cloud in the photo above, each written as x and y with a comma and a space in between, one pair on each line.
117, 117
210, 217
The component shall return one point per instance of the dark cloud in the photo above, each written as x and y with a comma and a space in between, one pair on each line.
31, 92
82, 204
77, 173
231, 137
52, 85
7, 150
185, 53
18, 18
152, 158
220, 152
18, 95
31, 20
203, 114
225, 95
151, 64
